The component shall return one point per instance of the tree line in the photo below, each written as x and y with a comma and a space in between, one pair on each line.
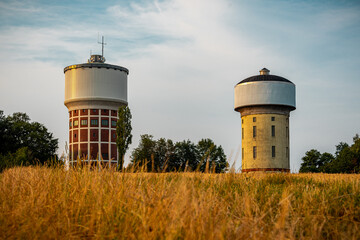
345, 160
163, 155
24, 143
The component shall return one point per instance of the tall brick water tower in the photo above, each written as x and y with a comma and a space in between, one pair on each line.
265, 102
94, 91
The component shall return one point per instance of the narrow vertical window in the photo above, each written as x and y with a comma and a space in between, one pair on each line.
273, 131
254, 152
242, 121
272, 118
242, 153
287, 152
254, 131
287, 131
254, 119
273, 151
242, 133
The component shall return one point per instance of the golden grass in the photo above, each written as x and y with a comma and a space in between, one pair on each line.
50, 203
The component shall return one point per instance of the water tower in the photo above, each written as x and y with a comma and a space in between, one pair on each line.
94, 91
265, 102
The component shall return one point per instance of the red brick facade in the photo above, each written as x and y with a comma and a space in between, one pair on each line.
89, 129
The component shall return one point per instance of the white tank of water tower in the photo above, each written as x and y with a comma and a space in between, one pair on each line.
265, 102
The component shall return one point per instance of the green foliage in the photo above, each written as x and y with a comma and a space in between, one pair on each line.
310, 161
19, 138
346, 159
187, 156
22, 157
212, 156
123, 132
163, 155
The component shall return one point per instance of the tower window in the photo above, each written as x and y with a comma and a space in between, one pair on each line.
242, 121
76, 123
273, 131
114, 135
242, 133
75, 111
83, 110
273, 151
94, 134
75, 135
242, 153
254, 119
105, 122
70, 124
272, 118
94, 122
254, 152
83, 122
113, 123
254, 131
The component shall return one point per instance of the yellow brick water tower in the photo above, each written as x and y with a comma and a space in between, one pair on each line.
265, 102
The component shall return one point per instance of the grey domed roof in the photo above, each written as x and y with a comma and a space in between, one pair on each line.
259, 78
264, 76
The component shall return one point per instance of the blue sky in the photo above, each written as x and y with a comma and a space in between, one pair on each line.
185, 58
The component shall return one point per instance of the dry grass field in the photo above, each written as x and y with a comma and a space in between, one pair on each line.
50, 203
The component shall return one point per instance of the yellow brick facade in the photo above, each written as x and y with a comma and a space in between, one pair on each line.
271, 140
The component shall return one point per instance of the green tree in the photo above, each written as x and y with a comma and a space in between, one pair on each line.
346, 159
325, 161
123, 132
158, 155
145, 152
211, 156
186, 157
310, 161
163, 155
355, 148
341, 146
17, 132
22, 157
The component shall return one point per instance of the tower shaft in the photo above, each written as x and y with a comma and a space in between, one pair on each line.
265, 142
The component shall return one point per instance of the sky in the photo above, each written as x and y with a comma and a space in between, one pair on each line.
184, 58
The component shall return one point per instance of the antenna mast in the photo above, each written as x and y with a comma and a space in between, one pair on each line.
102, 46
